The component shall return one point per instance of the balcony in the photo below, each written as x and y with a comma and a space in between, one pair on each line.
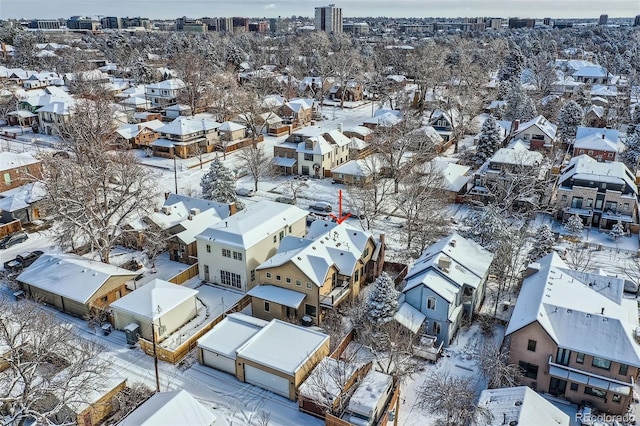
590, 379
337, 295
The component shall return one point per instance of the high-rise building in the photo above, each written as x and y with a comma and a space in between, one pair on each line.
111, 22
636, 22
329, 19
45, 24
603, 19
81, 23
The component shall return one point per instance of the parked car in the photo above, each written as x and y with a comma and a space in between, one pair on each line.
13, 239
285, 200
321, 206
245, 192
22, 261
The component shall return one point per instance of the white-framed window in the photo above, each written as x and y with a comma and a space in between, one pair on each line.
226, 252
431, 303
268, 274
230, 279
278, 277
237, 255
287, 280
298, 283
253, 275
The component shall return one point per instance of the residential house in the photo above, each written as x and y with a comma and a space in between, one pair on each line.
538, 132
231, 133
140, 135
592, 74
158, 307
96, 405
94, 76
42, 79
357, 172
313, 85
23, 203
186, 136
18, 169
384, 118
599, 144
455, 177
600, 193
170, 408
217, 349
230, 250
74, 284
296, 112
574, 335
594, 116
444, 122
185, 217
519, 406
54, 115
280, 357
447, 284
164, 93
177, 110
307, 276
361, 132
352, 91
427, 138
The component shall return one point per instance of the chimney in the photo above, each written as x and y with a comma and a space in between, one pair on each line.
444, 263
603, 136
232, 209
514, 126
166, 195
452, 243
340, 127
194, 211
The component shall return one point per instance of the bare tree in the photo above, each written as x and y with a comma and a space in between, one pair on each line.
368, 199
196, 74
127, 400
254, 159
494, 366
48, 366
578, 256
452, 398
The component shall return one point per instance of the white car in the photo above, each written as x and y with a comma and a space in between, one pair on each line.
245, 192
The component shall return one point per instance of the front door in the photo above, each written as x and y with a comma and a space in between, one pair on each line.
557, 387
596, 219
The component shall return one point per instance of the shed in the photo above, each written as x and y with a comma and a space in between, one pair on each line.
368, 401
170, 408
217, 348
169, 306
280, 357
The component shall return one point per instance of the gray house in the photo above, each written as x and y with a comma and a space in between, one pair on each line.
447, 283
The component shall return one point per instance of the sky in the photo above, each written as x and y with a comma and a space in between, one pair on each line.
168, 9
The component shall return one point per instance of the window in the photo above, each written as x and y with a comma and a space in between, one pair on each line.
267, 307
589, 202
365, 252
226, 252
574, 387
624, 369
595, 392
287, 280
237, 255
605, 364
562, 356
625, 206
579, 358
298, 283
281, 235
308, 157
290, 229
278, 277
531, 346
431, 303
564, 197
436, 328
268, 274
356, 277
206, 269
308, 285
576, 202
7, 178
310, 310
253, 275
529, 370
610, 154
230, 279
104, 299
616, 398
275, 238
208, 248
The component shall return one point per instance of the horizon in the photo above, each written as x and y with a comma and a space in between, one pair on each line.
171, 9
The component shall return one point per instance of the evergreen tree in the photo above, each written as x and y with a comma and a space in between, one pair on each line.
542, 244
574, 225
513, 65
382, 300
519, 104
490, 140
571, 116
218, 184
617, 231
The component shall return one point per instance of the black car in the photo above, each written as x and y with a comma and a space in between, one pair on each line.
22, 261
13, 239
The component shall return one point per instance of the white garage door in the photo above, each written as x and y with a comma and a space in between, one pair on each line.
266, 380
219, 362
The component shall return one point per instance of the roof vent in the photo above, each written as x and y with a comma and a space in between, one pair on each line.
518, 403
569, 311
452, 243
588, 315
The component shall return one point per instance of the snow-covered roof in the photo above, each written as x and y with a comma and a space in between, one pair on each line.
170, 408
326, 244
327, 381
171, 84
469, 264
547, 127
596, 142
359, 130
359, 167
522, 406
337, 137
591, 71
181, 207
74, 277
22, 197
253, 224
611, 134
10, 160
279, 295
573, 307
58, 107
129, 131
372, 389
231, 333
283, 161
230, 126
320, 146
410, 317
299, 105
154, 300
283, 346
454, 175
584, 167
603, 90
387, 119
182, 126
518, 154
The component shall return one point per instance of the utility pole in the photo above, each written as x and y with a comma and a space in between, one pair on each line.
175, 171
155, 355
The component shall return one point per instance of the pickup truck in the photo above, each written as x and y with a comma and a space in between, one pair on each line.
22, 261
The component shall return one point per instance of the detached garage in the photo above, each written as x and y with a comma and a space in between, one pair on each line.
217, 348
280, 357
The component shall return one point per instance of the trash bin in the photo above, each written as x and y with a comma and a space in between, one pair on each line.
106, 329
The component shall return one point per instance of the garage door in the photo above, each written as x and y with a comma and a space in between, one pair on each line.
266, 380
219, 362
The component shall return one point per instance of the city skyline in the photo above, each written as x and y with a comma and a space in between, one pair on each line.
171, 9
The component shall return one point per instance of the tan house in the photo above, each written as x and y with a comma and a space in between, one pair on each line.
18, 169
573, 334
280, 357
600, 193
296, 112
140, 135
96, 405
186, 136
74, 284
310, 275
352, 91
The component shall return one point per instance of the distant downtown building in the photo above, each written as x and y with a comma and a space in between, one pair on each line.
603, 19
45, 24
636, 22
329, 19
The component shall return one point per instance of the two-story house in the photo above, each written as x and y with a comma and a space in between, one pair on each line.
447, 284
592, 74
230, 251
309, 275
296, 112
54, 115
186, 137
538, 132
18, 169
164, 93
599, 144
444, 122
600, 193
574, 335
139, 135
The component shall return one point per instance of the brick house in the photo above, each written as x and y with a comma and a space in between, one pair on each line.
18, 169
599, 144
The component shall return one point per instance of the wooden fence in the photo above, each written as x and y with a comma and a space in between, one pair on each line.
183, 276
337, 352
178, 354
